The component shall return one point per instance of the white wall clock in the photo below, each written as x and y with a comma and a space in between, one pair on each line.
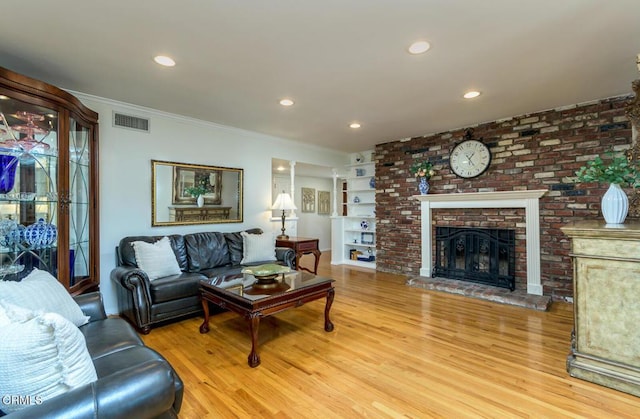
470, 158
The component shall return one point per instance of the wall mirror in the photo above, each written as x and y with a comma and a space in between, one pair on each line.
172, 204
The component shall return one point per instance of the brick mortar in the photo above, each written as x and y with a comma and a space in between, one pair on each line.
523, 158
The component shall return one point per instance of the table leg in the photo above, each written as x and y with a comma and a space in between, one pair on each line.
204, 327
254, 358
328, 326
317, 254
298, 256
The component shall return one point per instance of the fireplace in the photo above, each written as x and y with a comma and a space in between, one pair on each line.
483, 255
527, 199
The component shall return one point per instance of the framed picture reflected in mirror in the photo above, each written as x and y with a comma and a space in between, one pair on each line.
189, 177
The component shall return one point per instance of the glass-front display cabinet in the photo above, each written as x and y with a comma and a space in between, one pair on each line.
48, 183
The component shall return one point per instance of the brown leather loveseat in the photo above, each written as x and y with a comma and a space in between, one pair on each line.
200, 256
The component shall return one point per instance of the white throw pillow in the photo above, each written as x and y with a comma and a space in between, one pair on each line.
41, 291
42, 355
257, 248
156, 259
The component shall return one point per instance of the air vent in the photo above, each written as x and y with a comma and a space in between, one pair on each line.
130, 122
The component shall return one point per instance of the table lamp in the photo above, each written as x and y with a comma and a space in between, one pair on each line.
283, 202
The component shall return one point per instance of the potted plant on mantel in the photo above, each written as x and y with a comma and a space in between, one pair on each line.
617, 172
197, 192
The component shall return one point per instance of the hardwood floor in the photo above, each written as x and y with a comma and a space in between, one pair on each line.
396, 351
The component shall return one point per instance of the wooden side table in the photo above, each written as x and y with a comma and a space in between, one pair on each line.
302, 246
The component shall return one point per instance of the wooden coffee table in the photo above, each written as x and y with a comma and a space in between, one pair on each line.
237, 293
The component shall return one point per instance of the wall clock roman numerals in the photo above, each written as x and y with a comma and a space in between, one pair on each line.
470, 158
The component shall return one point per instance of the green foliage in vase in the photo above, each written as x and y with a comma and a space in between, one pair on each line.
616, 169
201, 186
196, 191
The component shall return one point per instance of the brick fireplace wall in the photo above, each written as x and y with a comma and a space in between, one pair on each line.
534, 151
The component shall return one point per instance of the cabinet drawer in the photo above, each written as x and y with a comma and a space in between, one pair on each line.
307, 246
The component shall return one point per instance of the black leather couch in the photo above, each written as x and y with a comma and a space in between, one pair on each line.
134, 381
200, 256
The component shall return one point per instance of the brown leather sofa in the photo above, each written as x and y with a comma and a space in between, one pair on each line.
200, 256
134, 381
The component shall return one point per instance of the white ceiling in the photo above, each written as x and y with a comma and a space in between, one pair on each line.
340, 60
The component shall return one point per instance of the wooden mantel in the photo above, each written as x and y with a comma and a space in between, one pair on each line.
527, 199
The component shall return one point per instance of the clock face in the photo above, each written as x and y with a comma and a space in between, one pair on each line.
470, 158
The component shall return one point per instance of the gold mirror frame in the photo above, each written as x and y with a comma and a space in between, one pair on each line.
171, 205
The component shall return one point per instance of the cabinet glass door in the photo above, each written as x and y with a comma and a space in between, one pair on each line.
79, 213
28, 195
48, 184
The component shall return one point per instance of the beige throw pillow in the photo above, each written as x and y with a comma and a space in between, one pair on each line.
258, 248
156, 259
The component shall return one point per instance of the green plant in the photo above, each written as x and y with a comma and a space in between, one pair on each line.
617, 169
422, 169
196, 191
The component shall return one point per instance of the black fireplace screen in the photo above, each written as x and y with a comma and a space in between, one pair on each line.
481, 255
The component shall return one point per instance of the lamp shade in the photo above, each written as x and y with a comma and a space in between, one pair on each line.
283, 202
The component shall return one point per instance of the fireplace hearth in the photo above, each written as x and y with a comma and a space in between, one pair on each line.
482, 255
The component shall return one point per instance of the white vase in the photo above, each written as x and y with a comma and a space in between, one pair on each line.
615, 205
200, 201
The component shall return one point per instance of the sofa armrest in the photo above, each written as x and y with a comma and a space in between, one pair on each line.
145, 391
134, 295
286, 255
91, 305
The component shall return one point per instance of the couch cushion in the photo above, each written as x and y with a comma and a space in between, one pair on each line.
131, 357
42, 355
107, 336
222, 271
128, 256
230, 278
156, 259
175, 287
234, 242
41, 291
206, 250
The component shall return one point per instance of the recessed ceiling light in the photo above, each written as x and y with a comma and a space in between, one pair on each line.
419, 47
164, 60
471, 94
286, 102
354, 125
280, 168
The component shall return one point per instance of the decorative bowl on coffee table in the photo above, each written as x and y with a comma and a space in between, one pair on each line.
266, 275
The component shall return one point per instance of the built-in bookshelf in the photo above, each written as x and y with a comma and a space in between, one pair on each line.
354, 232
